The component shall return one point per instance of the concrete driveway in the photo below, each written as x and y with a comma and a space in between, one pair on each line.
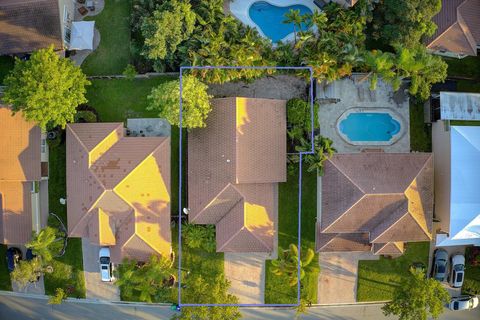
96, 289
337, 282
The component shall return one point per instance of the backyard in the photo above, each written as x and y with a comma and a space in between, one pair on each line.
277, 289
113, 53
378, 279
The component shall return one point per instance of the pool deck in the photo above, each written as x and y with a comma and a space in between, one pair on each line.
341, 95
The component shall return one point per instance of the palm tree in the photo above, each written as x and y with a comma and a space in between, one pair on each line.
287, 263
294, 17
45, 244
322, 151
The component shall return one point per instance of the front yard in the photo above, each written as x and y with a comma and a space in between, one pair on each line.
277, 289
378, 279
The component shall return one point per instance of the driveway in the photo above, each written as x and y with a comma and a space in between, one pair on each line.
96, 289
337, 282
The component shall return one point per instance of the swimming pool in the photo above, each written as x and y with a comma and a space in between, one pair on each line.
375, 127
268, 16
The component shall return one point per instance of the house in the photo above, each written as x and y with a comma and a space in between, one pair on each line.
22, 172
457, 183
118, 190
458, 32
375, 202
234, 166
29, 25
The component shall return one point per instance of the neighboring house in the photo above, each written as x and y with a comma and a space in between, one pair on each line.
457, 183
21, 171
375, 202
458, 32
29, 25
234, 166
118, 190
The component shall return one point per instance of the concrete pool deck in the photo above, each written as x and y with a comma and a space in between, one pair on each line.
337, 97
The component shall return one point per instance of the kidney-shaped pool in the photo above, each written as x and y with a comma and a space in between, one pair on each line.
369, 127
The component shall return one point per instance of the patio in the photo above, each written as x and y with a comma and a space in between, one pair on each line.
338, 97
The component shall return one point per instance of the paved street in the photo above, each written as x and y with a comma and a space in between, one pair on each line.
20, 308
96, 289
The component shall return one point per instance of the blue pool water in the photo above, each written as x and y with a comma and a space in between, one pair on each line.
369, 126
269, 19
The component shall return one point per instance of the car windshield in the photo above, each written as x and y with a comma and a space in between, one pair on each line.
459, 267
104, 260
459, 277
455, 305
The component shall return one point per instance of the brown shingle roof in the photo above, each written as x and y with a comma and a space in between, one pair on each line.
387, 196
458, 27
19, 166
233, 167
119, 190
29, 25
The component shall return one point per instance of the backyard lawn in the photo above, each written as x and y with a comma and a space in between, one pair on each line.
468, 67
277, 289
113, 53
377, 279
68, 270
420, 133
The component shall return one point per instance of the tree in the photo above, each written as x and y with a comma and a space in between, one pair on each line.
195, 101
405, 22
146, 281
215, 291
172, 23
287, 263
27, 271
58, 298
294, 17
45, 244
46, 88
199, 236
322, 151
299, 117
417, 298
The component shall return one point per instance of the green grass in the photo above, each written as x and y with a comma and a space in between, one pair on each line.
471, 284
113, 53
377, 279
468, 86
420, 133
6, 64
73, 260
277, 289
5, 283
467, 67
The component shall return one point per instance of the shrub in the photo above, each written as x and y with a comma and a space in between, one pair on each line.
299, 118
471, 287
58, 298
129, 72
83, 116
199, 236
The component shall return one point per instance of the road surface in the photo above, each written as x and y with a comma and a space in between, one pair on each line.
23, 308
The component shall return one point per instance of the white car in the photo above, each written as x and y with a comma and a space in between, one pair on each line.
457, 271
463, 303
106, 267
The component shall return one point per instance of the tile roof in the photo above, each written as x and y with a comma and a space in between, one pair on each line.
458, 27
29, 25
20, 165
233, 167
119, 190
387, 196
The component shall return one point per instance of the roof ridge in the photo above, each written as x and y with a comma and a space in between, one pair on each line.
101, 141
465, 28
343, 214
339, 170
229, 239
389, 227
78, 139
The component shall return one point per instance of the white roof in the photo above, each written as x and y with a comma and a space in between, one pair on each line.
81, 37
465, 187
459, 106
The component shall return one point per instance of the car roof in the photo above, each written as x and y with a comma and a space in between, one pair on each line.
104, 252
458, 259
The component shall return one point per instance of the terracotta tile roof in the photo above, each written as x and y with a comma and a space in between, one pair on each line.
20, 165
233, 167
29, 25
458, 27
389, 248
119, 190
387, 196
335, 242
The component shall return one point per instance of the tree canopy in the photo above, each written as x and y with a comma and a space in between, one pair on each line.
195, 102
44, 244
418, 298
46, 88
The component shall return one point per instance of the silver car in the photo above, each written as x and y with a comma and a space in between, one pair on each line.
458, 271
440, 265
463, 303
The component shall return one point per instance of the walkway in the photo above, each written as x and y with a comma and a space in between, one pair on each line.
96, 289
337, 282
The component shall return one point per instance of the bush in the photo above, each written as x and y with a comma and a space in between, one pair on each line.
299, 118
471, 287
129, 72
199, 236
58, 298
83, 116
